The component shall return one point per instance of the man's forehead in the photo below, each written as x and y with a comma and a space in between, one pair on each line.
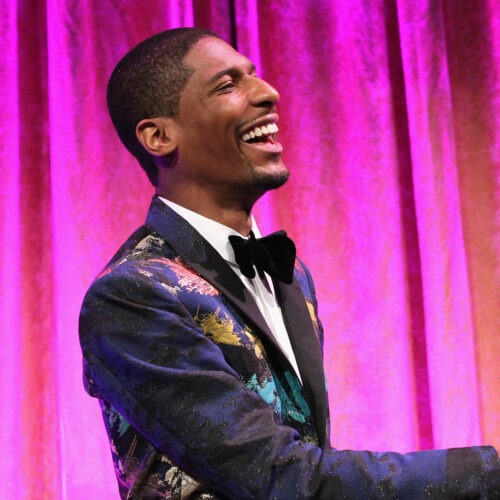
211, 58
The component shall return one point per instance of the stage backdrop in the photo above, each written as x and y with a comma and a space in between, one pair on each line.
390, 119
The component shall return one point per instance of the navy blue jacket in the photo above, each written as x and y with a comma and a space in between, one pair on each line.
199, 401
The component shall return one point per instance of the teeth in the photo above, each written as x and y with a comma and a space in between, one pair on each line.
272, 128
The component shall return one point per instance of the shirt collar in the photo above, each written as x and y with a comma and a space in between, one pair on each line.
215, 233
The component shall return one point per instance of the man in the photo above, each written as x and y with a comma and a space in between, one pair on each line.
208, 365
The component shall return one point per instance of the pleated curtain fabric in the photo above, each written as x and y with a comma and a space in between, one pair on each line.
389, 116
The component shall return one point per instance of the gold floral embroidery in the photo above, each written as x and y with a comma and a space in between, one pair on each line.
221, 330
258, 348
312, 313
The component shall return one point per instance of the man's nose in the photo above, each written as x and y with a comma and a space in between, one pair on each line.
263, 93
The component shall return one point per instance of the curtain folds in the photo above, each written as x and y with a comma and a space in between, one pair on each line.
389, 116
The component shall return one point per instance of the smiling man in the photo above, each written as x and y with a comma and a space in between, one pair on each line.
223, 138
201, 341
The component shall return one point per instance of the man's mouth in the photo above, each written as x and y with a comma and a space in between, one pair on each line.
260, 133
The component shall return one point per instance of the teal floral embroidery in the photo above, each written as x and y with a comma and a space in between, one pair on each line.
116, 421
266, 390
302, 413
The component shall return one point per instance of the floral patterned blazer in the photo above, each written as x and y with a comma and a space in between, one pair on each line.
199, 401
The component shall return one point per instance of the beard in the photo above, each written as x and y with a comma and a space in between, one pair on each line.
266, 180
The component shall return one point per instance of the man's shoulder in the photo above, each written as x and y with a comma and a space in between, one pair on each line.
145, 268
141, 249
144, 242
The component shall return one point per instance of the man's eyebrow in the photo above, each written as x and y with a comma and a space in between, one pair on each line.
233, 70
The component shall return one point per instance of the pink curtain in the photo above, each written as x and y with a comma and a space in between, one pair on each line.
390, 119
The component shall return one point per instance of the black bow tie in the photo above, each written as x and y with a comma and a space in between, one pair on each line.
274, 254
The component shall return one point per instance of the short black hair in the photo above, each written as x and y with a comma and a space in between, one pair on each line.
147, 83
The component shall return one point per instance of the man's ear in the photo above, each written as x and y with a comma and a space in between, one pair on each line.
157, 135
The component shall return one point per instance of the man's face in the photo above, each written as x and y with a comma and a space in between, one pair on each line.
227, 122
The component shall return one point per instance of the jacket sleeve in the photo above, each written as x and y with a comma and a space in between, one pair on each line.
145, 355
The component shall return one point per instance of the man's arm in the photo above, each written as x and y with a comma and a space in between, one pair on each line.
147, 357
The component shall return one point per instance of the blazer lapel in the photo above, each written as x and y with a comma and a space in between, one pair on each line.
307, 350
202, 257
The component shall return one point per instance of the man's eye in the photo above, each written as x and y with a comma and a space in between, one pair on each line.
226, 87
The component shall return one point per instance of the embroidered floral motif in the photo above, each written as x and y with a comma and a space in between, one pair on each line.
221, 330
256, 344
174, 290
266, 390
314, 318
149, 242
188, 278
145, 273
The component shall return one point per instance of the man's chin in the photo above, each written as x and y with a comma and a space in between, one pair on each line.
267, 180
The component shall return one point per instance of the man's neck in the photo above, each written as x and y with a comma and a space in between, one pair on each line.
233, 216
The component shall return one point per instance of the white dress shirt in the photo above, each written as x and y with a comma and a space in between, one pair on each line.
218, 236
